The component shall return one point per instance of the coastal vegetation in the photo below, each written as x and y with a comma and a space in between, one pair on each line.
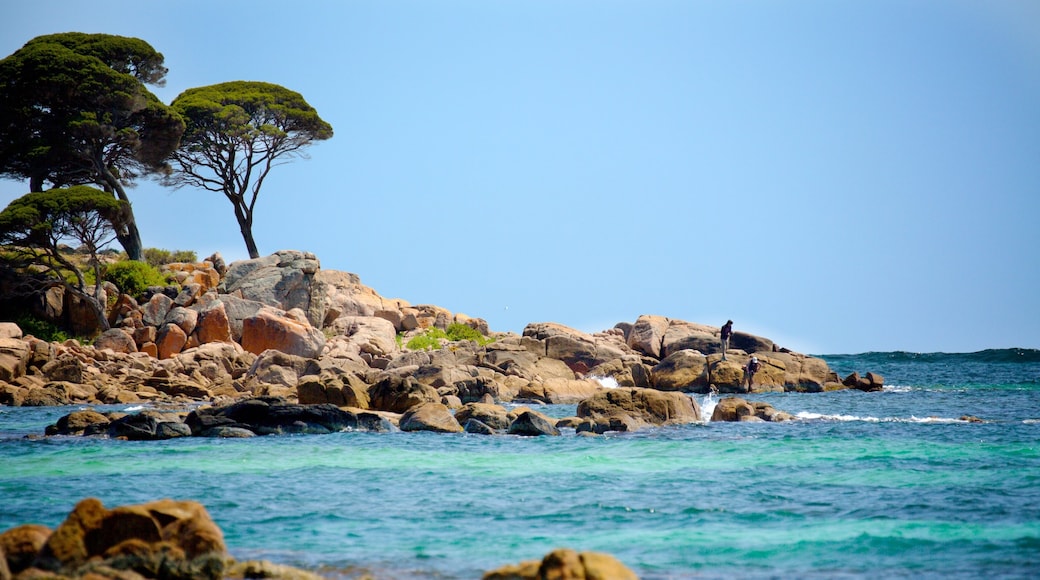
76, 111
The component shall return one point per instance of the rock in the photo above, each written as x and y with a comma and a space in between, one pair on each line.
52, 394
213, 324
532, 424
577, 349
20, 545
265, 569
184, 318
281, 368
399, 394
647, 335
728, 375
153, 312
684, 370
650, 406
566, 564
370, 334
10, 330
269, 416
477, 427
14, 358
172, 430
341, 389
237, 310
494, 416
434, 417
560, 391
737, 409
283, 280
136, 427
732, 409
170, 340
79, 422
285, 332
165, 538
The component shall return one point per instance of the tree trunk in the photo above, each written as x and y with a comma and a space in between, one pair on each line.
127, 233
245, 224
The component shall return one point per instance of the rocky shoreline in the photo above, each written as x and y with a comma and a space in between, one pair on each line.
278, 346
280, 326
178, 540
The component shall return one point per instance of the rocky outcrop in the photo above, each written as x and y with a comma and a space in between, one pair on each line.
165, 538
170, 539
288, 332
627, 409
563, 564
283, 280
737, 409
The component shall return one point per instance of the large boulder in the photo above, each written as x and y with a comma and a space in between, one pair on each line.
398, 394
645, 407
684, 370
494, 416
21, 544
332, 386
288, 332
275, 367
560, 391
116, 340
433, 417
344, 295
14, 357
271, 416
283, 280
737, 409
372, 335
213, 324
532, 424
647, 335
579, 350
164, 538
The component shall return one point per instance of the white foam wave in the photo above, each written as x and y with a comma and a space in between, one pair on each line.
607, 382
707, 405
897, 389
134, 408
1031, 421
851, 418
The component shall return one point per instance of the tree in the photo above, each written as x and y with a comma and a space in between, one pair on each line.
74, 111
235, 133
34, 226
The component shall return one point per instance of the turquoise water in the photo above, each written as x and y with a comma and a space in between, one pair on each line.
865, 485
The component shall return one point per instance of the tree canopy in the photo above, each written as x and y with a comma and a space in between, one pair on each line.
74, 110
35, 226
235, 133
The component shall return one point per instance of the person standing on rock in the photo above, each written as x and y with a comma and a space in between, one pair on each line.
727, 330
749, 372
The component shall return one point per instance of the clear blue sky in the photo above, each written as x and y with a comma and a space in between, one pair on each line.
838, 176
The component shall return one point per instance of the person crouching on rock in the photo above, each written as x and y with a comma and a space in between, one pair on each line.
749, 372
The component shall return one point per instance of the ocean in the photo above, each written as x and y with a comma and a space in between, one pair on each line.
890, 484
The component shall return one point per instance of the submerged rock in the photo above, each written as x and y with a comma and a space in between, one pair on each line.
565, 563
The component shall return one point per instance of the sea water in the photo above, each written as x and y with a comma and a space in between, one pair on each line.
863, 485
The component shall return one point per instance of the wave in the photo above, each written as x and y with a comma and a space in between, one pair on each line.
853, 418
993, 355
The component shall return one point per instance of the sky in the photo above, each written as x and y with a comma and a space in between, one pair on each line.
840, 177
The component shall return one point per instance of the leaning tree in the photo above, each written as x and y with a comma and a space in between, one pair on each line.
235, 133
34, 227
74, 110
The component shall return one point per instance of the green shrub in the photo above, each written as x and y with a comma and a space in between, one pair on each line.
458, 331
41, 329
428, 340
133, 277
157, 257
